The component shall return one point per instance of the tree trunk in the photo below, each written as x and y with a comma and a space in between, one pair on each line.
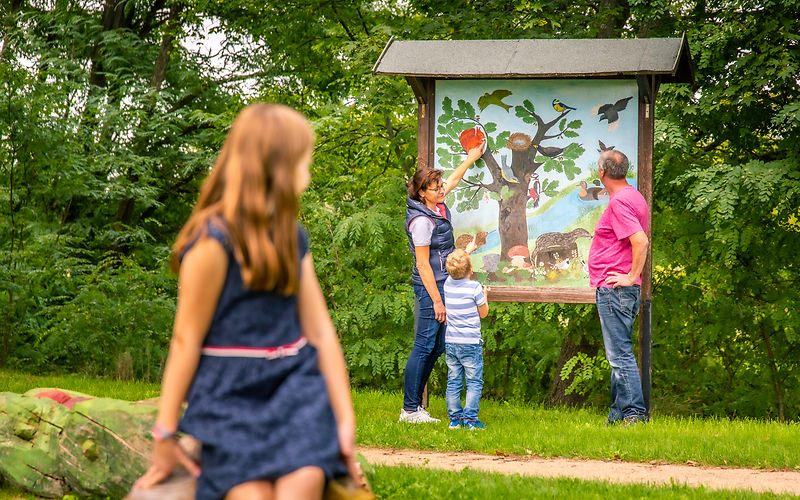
558, 396
612, 15
777, 383
512, 222
126, 206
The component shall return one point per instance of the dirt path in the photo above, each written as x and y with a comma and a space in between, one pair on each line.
612, 471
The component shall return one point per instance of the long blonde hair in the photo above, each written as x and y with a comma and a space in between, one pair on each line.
252, 190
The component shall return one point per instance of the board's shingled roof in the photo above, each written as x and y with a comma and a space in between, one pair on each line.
582, 58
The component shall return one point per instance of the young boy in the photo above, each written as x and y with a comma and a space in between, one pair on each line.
466, 305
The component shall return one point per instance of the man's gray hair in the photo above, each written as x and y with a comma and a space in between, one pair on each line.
614, 163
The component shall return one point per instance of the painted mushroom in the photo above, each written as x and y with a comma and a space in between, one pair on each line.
518, 255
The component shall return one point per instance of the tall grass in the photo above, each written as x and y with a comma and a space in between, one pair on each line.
410, 482
524, 430
12, 381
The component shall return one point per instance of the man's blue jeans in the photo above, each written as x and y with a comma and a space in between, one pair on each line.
428, 346
618, 308
464, 361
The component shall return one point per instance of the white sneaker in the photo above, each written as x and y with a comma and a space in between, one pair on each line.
417, 417
423, 410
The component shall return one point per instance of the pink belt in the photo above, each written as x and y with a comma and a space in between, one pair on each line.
256, 352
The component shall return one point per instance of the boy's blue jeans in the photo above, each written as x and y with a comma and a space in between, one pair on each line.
618, 308
428, 346
464, 361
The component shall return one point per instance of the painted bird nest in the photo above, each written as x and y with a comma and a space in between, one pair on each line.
519, 141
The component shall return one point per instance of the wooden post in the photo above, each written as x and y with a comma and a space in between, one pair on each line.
424, 89
647, 93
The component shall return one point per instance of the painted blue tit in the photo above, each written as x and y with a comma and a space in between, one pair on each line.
560, 106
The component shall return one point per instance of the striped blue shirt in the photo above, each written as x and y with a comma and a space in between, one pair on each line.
461, 299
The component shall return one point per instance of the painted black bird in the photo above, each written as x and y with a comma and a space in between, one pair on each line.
603, 147
560, 106
610, 112
495, 98
550, 152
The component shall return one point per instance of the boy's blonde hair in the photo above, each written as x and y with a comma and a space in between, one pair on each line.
458, 264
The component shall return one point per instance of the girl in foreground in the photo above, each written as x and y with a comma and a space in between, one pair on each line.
254, 351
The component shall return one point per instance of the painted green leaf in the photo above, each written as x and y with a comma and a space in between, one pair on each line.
529, 105
550, 165
502, 140
447, 107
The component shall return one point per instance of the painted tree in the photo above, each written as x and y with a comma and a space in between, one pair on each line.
512, 185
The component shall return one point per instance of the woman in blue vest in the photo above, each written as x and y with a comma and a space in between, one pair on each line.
430, 237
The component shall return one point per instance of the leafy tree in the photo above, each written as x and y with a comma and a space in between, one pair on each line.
110, 117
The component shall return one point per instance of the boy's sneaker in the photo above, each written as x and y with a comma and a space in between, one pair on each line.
455, 423
417, 417
632, 420
473, 425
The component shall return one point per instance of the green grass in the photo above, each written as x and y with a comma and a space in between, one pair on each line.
521, 430
525, 430
410, 482
11, 381
10, 493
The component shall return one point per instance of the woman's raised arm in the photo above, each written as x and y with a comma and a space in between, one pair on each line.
472, 156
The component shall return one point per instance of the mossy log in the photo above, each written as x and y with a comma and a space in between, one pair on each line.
53, 442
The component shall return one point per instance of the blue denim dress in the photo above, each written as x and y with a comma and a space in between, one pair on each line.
258, 418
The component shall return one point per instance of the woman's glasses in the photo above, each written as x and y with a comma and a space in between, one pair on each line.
440, 187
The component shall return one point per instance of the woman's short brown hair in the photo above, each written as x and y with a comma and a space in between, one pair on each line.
423, 178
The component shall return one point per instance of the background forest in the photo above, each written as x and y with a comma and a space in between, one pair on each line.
111, 113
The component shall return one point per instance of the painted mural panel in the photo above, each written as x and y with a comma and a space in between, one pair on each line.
533, 199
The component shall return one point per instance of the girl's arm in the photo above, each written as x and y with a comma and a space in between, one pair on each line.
452, 181
318, 329
202, 276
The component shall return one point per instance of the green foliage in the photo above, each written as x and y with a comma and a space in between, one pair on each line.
118, 322
586, 372
406, 481
102, 155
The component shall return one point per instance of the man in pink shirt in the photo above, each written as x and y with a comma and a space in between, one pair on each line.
616, 260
